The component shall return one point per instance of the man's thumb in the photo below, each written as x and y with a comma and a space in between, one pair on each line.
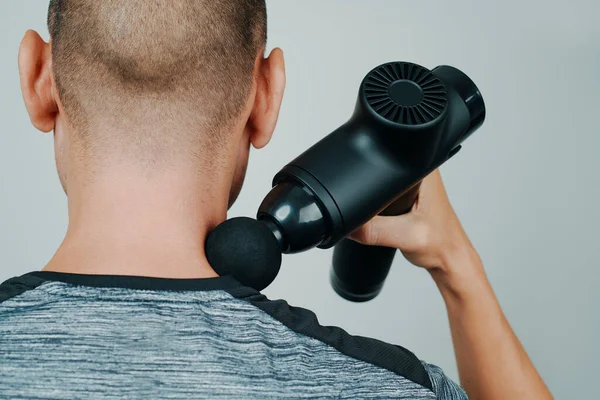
384, 231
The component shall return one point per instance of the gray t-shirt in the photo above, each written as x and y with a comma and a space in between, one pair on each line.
65, 336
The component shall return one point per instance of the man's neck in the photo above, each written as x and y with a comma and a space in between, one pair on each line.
126, 224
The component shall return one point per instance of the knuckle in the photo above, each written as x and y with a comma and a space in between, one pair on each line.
367, 234
372, 234
422, 235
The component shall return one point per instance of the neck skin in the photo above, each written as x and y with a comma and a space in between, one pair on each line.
130, 223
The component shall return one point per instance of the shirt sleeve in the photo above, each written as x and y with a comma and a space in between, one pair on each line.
444, 387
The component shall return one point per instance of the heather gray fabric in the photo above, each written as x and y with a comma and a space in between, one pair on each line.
65, 341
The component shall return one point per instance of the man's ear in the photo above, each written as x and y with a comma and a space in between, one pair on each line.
270, 86
35, 70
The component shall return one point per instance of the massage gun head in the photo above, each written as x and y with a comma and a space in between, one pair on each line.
404, 94
246, 249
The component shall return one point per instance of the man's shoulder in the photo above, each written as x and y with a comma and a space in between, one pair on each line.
19, 285
224, 319
391, 357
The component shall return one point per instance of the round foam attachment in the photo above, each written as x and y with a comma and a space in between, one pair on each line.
245, 249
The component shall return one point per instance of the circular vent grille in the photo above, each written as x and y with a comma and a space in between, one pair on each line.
405, 93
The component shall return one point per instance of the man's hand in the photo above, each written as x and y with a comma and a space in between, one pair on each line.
492, 363
429, 236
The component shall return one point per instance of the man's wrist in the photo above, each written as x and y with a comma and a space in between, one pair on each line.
460, 273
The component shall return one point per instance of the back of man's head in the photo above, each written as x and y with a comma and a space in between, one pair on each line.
143, 62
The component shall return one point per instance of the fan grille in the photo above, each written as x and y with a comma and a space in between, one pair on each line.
377, 91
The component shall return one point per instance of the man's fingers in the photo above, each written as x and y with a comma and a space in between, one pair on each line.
405, 232
384, 231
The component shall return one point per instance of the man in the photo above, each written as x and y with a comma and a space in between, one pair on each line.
154, 106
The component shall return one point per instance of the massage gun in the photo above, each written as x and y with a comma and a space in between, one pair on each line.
408, 121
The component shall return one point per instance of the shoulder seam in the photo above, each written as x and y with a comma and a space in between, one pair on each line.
425, 380
17, 286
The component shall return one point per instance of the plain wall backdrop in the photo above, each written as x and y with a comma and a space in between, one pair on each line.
526, 185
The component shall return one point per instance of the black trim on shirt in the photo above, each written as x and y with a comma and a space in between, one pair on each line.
17, 286
393, 358
130, 282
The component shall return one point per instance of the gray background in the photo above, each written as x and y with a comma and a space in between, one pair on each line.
526, 185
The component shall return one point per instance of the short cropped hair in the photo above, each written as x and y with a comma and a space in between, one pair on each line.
113, 55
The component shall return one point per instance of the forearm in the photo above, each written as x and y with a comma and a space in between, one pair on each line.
492, 363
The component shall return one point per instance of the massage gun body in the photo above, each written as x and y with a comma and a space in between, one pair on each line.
408, 121
370, 162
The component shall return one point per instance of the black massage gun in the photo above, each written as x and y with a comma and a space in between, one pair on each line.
408, 122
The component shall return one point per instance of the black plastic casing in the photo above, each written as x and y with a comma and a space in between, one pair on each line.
408, 121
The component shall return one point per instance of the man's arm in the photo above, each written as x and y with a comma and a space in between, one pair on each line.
492, 363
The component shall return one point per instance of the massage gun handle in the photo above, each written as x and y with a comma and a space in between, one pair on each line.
359, 271
404, 204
